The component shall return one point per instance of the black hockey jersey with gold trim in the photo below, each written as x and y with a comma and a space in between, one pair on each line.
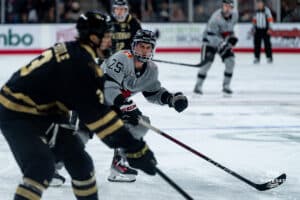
64, 77
123, 33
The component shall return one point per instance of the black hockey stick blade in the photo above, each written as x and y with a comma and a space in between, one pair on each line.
261, 187
183, 64
271, 184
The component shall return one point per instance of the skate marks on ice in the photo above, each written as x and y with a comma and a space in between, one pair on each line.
246, 98
265, 133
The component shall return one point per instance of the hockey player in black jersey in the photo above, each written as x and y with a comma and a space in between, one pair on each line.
34, 105
124, 25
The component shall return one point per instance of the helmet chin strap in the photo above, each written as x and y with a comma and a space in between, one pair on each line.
95, 46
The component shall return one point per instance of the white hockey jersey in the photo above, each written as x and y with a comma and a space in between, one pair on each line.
218, 28
122, 78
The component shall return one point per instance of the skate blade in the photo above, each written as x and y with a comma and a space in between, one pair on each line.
118, 177
227, 95
56, 182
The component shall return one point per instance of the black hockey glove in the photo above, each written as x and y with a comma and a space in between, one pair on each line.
224, 47
178, 101
142, 158
130, 113
232, 40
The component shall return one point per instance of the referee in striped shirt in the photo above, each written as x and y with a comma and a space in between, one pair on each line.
262, 25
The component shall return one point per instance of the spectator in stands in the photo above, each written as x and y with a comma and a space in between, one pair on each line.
245, 10
285, 9
46, 11
200, 15
12, 11
164, 14
105, 5
291, 11
177, 14
296, 12
73, 13
136, 8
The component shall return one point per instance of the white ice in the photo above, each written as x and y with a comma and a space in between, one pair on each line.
256, 133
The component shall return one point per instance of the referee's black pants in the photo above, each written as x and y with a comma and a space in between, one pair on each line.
261, 34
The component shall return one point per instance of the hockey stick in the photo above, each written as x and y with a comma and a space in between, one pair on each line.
183, 64
261, 187
173, 184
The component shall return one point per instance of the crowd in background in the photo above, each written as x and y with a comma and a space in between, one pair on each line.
65, 11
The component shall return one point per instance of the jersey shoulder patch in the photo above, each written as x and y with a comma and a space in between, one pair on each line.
128, 54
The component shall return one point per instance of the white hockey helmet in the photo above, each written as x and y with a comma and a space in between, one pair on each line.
120, 4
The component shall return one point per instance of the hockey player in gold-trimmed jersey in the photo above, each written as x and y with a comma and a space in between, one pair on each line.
34, 105
124, 24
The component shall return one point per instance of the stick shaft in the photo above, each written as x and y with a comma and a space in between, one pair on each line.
198, 154
178, 63
173, 184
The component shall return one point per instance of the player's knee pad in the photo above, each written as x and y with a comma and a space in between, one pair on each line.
208, 53
204, 69
138, 131
69, 144
229, 64
80, 165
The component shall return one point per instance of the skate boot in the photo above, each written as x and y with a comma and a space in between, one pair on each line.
256, 61
198, 86
227, 92
197, 90
270, 60
120, 171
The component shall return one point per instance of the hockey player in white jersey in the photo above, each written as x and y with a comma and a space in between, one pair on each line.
129, 72
219, 37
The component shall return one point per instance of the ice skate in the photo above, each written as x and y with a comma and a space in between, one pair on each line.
120, 172
227, 92
57, 180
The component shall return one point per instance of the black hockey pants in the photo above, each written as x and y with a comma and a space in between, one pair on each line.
259, 36
25, 136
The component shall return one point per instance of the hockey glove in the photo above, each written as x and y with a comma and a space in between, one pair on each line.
232, 40
223, 48
130, 113
142, 158
178, 101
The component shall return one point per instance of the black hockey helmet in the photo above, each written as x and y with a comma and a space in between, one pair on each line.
230, 2
93, 22
144, 36
120, 3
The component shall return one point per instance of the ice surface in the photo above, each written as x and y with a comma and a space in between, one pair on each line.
256, 133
